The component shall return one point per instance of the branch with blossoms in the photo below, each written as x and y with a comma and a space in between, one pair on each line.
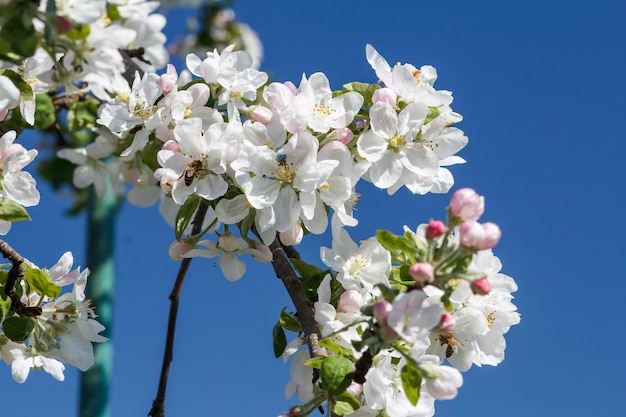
241, 167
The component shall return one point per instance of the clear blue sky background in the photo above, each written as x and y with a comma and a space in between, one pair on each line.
542, 88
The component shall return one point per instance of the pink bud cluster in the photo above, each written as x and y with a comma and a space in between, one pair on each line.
467, 206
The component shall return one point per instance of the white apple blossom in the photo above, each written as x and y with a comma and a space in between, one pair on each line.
409, 83
9, 96
481, 320
394, 148
358, 268
16, 184
199, 162
312, 105
383, 390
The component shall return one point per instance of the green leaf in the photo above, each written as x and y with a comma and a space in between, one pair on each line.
45, 114
334, 347
78, 32
246, 224
279, 340
337, 374
149, 153
18, 329
113, 12
185, 214
306, 270
40, 282
290, 322
11, 211
366, 90
26, 91
21, 36
392, 242
433, 112
315, 362
411, 382
345, 404
82, 115
5, 305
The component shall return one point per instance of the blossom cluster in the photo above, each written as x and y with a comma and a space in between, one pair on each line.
237, 162
276, 158
398, 307
49, 328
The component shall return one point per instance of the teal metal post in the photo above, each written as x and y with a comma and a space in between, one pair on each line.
96, 382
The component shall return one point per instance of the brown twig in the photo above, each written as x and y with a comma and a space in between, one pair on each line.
301, 302
17, 271
158, 405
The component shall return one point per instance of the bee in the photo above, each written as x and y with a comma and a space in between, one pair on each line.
191, 171
448, 339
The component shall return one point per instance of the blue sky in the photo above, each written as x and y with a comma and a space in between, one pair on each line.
542, 89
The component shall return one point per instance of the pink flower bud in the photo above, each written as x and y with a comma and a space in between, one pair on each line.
171, 145
492, 235
385, 95
422, 272
479, 236
343, 135
466, 204
381, 310
354, 389
168, 81
435, 229
228, 242
387, 333
292, 236
350, 301
262, 254
261, 114
481, 286
63, 25
178, 249
447, 323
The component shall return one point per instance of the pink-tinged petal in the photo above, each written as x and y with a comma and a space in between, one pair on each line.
384, 120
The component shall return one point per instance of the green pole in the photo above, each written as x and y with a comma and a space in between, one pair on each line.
95, 383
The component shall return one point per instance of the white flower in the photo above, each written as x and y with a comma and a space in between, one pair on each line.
481, 320
411, 84
232, 268
358, 268
414, 314
16, 184
25, 358
383, 390
394, 148
9, 96
313, 105
199, 162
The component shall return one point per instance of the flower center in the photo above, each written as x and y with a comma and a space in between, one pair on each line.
284, 174
323, 109
357, 262
397, 142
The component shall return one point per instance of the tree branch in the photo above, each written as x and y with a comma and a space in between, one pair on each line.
298, 296
158, 405
17, 271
